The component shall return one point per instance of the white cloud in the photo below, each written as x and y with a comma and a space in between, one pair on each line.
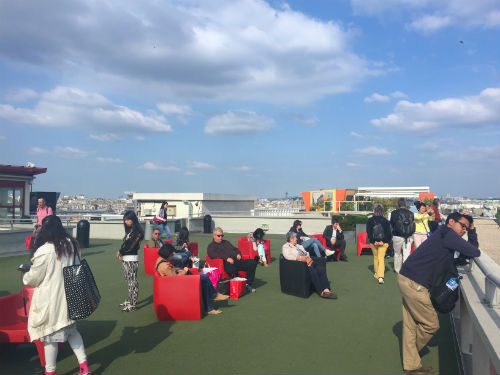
2, 137
189, 173
64, 152
304, 120
427, 118
199, 165
428, 146
174, 109
108, 137
398, 95
151, 166
427, 16
242, 168
355, 135
372, 150
72, 107
238, 122
21, 95
377, 98
352, 165
109, 160
472, 154
140, 138
239, 49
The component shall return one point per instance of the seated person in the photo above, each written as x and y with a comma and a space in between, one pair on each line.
182, 255
222, 249
179, 260
293, 251
310, 244
335, 238
208, 292
155, 241
258, 245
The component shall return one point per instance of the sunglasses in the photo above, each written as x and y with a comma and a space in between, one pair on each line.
219, 235
156, 234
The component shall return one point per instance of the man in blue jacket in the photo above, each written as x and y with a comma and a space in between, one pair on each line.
417, 275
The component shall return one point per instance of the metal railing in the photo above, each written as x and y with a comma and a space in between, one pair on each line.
492, 283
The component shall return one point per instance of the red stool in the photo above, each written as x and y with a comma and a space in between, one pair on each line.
362, 245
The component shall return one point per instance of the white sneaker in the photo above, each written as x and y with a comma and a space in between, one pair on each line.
375, 276
125, 303
380, 280
329, 252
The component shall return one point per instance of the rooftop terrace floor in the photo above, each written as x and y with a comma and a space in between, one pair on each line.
263, 333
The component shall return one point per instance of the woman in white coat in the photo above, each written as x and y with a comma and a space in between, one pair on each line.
48, 319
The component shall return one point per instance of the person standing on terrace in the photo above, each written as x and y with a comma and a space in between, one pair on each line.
128, 255
422, 218
417, 276
437, 215
403, 227
42, 211
161, 219
379, 235
48, 319
222, 249
309, 243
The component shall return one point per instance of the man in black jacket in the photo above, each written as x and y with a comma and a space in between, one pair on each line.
403, 226
417, 276
335, 238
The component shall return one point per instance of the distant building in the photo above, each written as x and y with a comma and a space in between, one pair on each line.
344, 199
15, 187
193, 204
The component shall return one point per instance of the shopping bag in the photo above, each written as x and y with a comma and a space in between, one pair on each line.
237, 287
82, 295
213, 274
223, 286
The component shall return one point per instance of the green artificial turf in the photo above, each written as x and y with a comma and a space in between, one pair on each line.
262, 333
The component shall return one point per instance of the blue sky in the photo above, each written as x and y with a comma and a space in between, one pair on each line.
252, 97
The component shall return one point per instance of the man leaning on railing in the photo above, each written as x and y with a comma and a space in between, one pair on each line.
418, 274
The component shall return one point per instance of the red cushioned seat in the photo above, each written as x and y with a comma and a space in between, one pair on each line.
14, 310
219, 264
150, 256
177, 297
321, 239
362, 245
247, 251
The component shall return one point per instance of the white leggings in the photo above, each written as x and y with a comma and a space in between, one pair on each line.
51, 348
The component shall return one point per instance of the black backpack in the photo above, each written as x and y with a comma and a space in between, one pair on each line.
404, 226
378, 233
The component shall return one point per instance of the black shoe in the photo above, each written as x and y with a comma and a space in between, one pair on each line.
421, 370
249, 289
343, 259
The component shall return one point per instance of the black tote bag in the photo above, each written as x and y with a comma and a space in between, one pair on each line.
82, 294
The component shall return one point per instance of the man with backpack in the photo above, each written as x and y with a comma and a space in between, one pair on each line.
403, 226
425, 269
379, 235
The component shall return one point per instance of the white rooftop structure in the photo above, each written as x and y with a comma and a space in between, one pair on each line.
392, 192
193, 204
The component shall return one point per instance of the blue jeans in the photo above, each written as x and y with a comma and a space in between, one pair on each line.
163, 227
315, 245
208, 291
181, 258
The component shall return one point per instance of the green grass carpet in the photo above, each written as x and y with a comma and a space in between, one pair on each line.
263, 333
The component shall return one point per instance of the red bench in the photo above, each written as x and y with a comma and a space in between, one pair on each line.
14, 320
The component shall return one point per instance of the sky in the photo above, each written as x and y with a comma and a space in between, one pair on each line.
252, 97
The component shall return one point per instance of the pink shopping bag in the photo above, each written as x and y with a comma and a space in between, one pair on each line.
213, 273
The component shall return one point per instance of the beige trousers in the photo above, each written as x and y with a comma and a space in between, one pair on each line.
420, 321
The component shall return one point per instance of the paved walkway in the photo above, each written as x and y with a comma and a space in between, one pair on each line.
488, 233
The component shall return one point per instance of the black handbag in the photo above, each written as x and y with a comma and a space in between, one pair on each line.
223, 286
82, 295
443, 297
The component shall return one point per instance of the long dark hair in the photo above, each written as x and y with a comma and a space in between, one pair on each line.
136, 227
53, 232
184, 235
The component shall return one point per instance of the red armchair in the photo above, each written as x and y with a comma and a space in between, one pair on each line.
323, 242
150, 256
177, 297
14, 320
362, 244
247, 251
219, 264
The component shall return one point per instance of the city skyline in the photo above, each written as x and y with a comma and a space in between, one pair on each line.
252, 97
